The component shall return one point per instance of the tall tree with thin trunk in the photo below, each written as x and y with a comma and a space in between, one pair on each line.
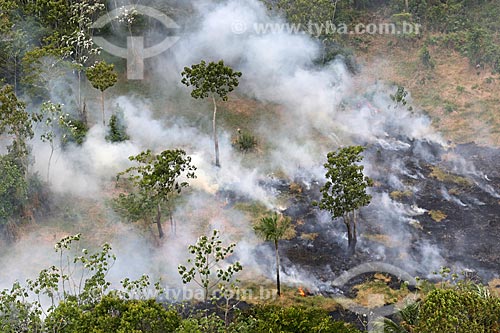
214, 80
345, 189
16, 123
102, 76
51, 116
275, 228
157, 177
80, 46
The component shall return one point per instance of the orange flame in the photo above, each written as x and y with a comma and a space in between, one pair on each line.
302, 292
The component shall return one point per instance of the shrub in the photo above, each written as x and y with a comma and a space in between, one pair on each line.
117, 130
459, 310
425, 57
296, 320
113, 314
74, 131
245, 142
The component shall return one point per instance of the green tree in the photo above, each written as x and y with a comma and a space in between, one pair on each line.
17, 313
345, 189
79, 278
205, 265
77, 40
53, 15
73, 130
462, 309
320, 13
16, 122
400, 96
102, 76
275, 228
117, 131
51, 116
425, 57
211, 80
13, 47
157, 179
13, 189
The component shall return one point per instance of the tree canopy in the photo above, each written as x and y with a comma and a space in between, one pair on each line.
157, 177
212, 79
215, 80
345, 188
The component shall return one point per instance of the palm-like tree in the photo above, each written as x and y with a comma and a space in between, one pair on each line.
407, 320
275, 228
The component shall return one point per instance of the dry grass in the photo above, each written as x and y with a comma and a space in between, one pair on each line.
447, 177
295, 188
309, 236
400, 195
437, 215
386, 240
377, 293
461, 100
494, 286
264, 292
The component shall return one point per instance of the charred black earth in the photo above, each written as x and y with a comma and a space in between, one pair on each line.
432, 206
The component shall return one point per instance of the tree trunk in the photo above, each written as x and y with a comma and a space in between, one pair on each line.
102, 106
15, 75
79, 90
50, 160
158, 221
351, 233
354, 237
216, 140
83, 115
205, 282
226, 313
173, 227
278, 286
334, 10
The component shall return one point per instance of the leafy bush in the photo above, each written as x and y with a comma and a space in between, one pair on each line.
13, 189
296, 320
400, 96
425, 57
113, 314
245, 141
203, 323
17, 314
74, 131
333, 50
460, 310
117, 130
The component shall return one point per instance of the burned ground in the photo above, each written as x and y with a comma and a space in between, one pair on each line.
418, 183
